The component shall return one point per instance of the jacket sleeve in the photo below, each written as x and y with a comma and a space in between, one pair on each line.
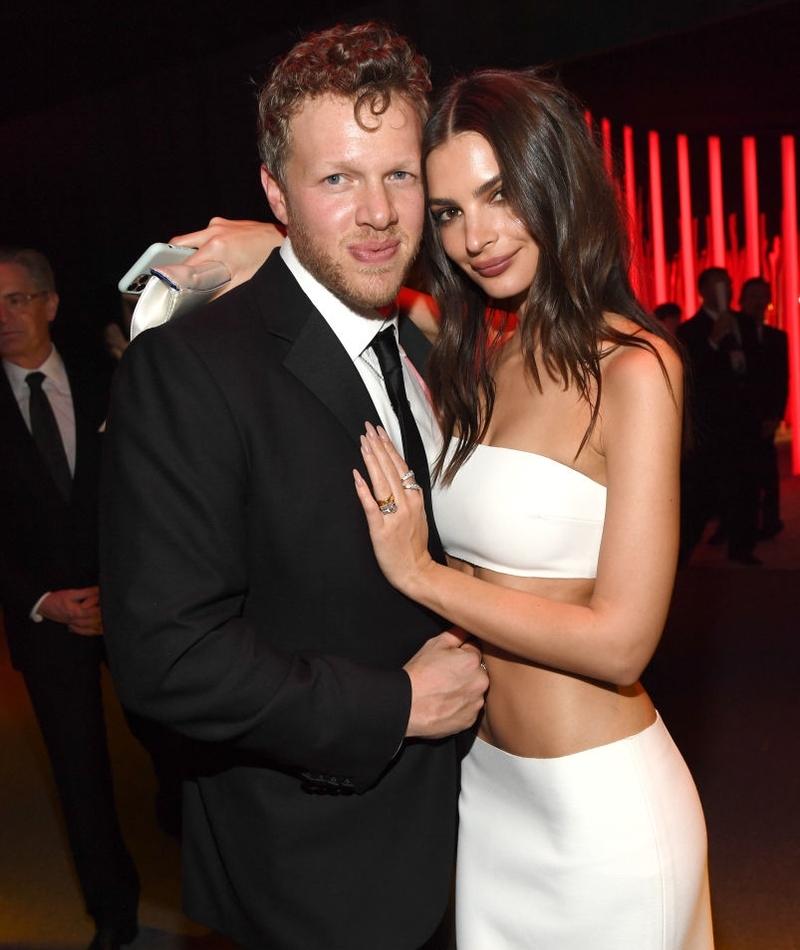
174, 582
20, 589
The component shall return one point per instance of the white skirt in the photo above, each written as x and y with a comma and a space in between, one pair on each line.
601, 850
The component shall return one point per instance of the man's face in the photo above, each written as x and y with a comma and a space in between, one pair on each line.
755, 300
352, 198
717, 292
24, 328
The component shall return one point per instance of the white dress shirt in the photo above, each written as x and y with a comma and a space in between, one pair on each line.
355, 332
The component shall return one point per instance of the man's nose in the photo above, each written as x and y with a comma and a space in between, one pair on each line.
376, 208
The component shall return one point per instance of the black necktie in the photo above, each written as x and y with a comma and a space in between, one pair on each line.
385, 348
44, 429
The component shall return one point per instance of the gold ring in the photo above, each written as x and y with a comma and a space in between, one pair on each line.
386, 501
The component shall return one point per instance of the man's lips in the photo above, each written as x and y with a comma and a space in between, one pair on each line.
374, 252
493, 267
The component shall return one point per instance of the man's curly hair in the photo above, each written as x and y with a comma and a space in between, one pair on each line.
368, 63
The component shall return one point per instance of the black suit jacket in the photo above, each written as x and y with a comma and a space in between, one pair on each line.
45, 543
723, 402
245, 608
774, 372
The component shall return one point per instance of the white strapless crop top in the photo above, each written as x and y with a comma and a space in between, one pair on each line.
522, 514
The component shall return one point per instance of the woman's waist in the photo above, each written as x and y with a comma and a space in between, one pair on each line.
536, 712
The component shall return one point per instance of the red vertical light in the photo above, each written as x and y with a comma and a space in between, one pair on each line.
587, 115
687, 242
657, 211
752, 255
791, 289
716, 237
630, 203
605, 129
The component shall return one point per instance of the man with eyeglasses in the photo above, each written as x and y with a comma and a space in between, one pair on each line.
51, 412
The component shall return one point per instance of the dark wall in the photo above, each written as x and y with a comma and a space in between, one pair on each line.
117, 134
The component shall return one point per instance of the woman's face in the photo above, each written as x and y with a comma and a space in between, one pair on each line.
480, 232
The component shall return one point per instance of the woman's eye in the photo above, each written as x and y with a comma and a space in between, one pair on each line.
445, 215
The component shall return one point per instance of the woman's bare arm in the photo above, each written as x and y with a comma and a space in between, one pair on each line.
613, 637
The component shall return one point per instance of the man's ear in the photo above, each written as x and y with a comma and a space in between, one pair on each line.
274, 193
51, 306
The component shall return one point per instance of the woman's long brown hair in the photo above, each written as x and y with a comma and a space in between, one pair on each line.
554, 177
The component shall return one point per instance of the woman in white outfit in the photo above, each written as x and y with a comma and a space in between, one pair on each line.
557, 501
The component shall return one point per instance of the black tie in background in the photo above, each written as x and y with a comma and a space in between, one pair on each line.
385, 348
44, 429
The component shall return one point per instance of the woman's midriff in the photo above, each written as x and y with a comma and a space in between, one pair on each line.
538, 712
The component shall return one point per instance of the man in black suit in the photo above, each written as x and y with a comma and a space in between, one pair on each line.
244, 606
720, 472
772, 387
51, 411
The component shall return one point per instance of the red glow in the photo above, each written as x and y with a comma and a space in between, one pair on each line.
657, 208
752, 256
716, 237
630, 204
791, 287
687, 242
605, 129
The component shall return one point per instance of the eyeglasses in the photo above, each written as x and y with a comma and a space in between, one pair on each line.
19, 303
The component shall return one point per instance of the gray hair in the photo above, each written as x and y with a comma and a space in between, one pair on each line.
34, 262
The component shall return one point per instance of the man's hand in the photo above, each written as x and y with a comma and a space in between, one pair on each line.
447, 686
78, 608
242, 246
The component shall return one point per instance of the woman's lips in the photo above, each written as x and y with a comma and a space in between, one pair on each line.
493, 267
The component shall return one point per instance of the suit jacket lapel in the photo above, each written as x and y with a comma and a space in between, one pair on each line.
319, 361
315, 356
17, 437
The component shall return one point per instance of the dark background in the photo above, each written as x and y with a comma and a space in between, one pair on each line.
122, 125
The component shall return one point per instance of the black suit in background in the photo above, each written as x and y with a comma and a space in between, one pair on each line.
244, 606
772, 392
719, 475
47, 544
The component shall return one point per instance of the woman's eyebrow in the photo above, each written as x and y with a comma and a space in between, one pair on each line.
479, 192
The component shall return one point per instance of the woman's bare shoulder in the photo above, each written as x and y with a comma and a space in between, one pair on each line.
643, 368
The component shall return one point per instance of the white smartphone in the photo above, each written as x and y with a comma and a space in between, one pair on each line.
157, 255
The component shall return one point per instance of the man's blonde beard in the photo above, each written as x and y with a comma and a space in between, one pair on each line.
330, 273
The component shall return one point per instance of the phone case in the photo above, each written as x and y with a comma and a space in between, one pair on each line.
157, 255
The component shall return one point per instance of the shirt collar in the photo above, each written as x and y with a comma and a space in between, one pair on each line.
53, 368
354, 330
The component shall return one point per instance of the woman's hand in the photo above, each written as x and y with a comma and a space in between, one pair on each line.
399, 532
242, 246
